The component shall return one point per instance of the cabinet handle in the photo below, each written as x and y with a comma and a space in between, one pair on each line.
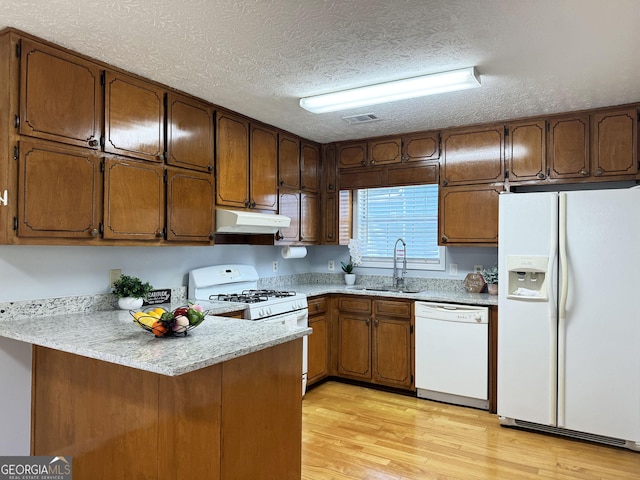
541, 176
599, 171
330, 187
93, 142
367, 321
94, 232
375, 323
584, 172
444, 239
278, 235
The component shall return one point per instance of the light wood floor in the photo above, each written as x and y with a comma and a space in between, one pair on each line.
351, 432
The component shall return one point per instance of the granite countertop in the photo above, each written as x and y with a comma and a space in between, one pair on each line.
445, 296
113, 337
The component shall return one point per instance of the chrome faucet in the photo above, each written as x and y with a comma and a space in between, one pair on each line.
398, 280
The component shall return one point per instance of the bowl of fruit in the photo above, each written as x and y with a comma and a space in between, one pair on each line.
167, 323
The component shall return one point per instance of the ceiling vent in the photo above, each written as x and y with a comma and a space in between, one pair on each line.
361, 118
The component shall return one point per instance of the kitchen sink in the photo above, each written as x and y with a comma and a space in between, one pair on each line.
392, 289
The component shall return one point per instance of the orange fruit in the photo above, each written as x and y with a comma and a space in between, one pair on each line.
158, 329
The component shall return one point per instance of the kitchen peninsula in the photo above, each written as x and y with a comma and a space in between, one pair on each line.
125, 404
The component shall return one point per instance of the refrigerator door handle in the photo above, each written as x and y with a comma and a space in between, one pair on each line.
562, 305
553, 323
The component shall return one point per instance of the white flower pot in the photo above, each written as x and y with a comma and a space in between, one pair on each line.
130, 303
350, 278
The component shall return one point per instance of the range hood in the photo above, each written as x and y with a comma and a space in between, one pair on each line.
242, 221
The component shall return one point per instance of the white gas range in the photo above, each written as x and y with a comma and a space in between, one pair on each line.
239, 283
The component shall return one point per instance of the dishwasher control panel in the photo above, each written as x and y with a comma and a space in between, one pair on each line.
451, 312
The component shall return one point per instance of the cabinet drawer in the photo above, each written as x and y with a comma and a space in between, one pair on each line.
354, 304
392, 309
317, 305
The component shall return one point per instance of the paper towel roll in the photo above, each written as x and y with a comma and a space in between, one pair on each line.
294, 252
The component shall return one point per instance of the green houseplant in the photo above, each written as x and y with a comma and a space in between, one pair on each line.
490, 276
131, 291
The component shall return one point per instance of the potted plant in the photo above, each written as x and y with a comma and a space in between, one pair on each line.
131, 292
355, 257
490, 276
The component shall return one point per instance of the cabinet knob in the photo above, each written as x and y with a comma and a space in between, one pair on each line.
209, 168
541, 176
444, 239
94, 232
445, 182
159, 234
375, 323
247, 204
363, 163
599, 171
330, 235
279, 235
373, 162
330, 187
584, 172
253, 204
281, 182
212, 236
367, 321
93, 142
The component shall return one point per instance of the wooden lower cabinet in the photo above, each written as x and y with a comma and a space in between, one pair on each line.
216, 423
318, 344
375, 341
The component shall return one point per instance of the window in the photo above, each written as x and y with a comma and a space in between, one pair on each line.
382, 215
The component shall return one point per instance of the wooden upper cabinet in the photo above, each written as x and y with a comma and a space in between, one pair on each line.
190, 206
264, 168
329, 168
421, 146
568, 150
134, 117
289, 206
472, 156
60, 189
614, 143
353, 154
309, 217
189, 133
310, 167
329, 221
134, 200
232, 160
468, 215
526, 151
288, 161
385, 151
60, 96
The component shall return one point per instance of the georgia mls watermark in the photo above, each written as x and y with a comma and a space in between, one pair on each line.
35, 468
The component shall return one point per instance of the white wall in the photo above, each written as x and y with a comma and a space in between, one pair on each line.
33, 272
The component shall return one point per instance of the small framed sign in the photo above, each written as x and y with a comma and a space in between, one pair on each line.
157, 297
474, 283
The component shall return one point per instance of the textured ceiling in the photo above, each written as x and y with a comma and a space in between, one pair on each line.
259, 57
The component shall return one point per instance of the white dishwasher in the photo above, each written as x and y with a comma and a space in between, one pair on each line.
452, 353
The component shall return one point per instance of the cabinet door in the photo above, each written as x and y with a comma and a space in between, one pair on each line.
526, 151
289, 161
354, 345
329, 168
60, 190
318, 348
264, 168
421, 146
189, 133
392, 351
614, 144
416, 174
472, 156
352, 155
134, 117
468, 215
310, 170
134, 200
569, 147
385, 151
232, 161
289, 205
60, 96
309, 211
330, 219
190, 205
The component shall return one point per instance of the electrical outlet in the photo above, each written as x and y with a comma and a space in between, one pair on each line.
331, 266
275, 265
477, 269
453, 269
114, 274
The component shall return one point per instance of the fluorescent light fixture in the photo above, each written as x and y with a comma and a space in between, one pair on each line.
393, 91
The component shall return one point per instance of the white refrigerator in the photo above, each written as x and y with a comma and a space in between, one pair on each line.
569, 313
